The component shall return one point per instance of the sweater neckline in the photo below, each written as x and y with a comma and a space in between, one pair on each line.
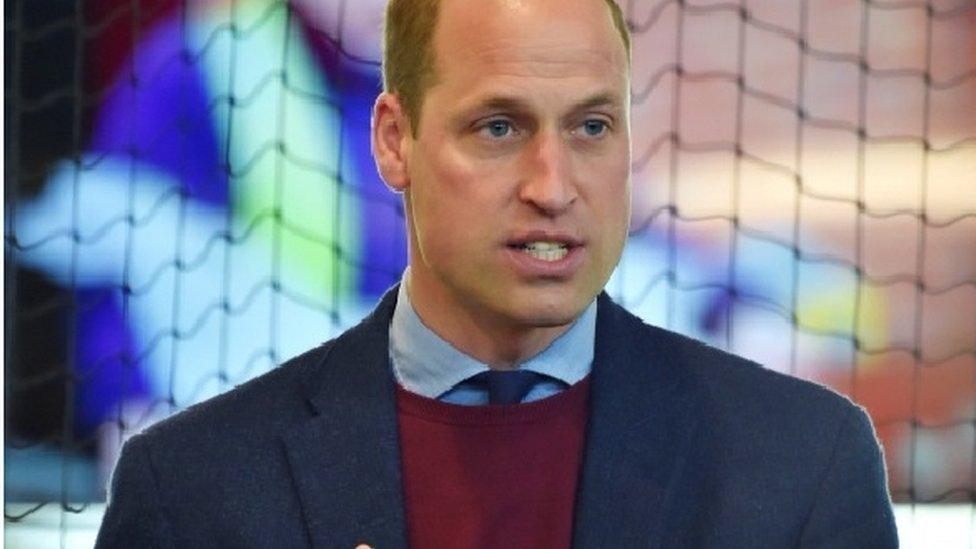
433, 410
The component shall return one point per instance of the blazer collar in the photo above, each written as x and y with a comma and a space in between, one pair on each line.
345, 459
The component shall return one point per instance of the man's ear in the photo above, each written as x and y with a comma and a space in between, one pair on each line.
391, 141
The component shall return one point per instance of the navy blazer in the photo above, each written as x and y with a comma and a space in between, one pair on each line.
687, 446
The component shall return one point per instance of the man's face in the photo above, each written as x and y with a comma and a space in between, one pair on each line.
519, 177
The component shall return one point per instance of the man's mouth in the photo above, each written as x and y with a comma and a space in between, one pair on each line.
544, 250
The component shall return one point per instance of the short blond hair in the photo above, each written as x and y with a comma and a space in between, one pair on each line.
408, 50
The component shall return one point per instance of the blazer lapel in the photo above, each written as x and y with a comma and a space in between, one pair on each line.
643, 418
345, 458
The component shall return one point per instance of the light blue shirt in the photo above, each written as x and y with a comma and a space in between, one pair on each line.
425, 364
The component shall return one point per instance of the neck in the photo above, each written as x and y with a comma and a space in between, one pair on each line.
497, 342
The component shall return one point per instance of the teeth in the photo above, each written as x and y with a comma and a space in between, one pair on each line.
546, 251
544, 246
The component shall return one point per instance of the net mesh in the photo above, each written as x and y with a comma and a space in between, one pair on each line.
190, 200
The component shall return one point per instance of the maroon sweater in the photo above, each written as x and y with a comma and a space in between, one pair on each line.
492, 476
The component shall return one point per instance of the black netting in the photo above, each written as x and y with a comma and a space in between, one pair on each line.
190, 200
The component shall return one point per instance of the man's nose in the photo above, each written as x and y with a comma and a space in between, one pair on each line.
548, 182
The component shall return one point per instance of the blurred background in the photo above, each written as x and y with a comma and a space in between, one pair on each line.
189, 200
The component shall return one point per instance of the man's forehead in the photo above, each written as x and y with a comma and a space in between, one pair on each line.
550, 32
555, 57
511, 40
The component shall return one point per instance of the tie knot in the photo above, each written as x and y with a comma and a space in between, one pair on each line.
507, 386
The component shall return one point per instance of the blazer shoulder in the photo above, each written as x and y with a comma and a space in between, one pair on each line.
733, 386
737, 382
273, 398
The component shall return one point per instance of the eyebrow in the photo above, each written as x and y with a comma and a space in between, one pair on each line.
502, 102
602, 99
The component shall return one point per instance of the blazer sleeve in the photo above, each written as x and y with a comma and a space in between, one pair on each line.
134, 517
853, 508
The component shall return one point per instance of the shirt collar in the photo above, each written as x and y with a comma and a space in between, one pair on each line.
426, 364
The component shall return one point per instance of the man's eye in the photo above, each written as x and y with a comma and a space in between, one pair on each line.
498, 128
594, 128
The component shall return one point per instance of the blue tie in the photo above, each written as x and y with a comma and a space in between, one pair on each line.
507, 386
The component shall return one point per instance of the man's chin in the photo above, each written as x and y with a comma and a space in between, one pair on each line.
547, 313
546, 321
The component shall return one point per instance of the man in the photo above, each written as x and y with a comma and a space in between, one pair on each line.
505, 126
